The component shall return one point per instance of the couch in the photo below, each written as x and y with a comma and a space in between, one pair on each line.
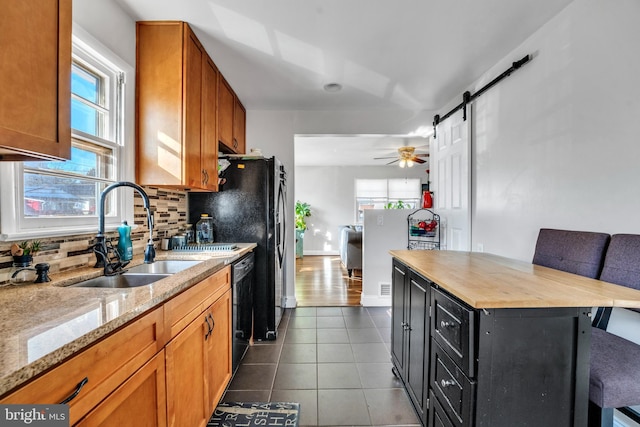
351, 247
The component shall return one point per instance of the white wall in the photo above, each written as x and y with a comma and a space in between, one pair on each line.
330, 190
109, 24
384, 230
556, 143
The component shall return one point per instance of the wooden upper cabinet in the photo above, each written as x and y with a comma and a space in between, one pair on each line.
175, 107
226, 106
239, 127
231, 119
35, 77
209, 154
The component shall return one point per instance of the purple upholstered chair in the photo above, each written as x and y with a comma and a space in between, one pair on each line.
615, 361
578, 252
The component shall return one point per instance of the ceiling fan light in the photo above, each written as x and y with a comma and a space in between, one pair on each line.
409, 163
403, 163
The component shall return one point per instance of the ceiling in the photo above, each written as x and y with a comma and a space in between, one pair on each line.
387, 54
353, 150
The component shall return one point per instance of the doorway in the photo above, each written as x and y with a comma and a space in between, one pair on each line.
326, 169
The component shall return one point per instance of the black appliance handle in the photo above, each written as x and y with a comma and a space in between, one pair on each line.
281, 226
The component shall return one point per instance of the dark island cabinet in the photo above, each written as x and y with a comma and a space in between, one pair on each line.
410, 334
487, 367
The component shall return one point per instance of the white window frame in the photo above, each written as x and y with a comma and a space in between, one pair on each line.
382, 194
13, 224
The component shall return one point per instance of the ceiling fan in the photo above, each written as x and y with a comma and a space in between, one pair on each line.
406, 157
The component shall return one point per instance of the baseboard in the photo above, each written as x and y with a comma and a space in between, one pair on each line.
375, 301
289, 302
312, 253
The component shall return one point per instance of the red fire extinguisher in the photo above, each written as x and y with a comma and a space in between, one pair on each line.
427, 201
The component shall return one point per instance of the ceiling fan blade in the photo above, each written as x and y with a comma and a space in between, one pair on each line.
422, 155
392, 162
418, 160
382, 158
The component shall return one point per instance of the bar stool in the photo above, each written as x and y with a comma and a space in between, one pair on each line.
578, 252
615, 362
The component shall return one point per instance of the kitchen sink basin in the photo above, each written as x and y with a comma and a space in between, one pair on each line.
120, 281
168, 266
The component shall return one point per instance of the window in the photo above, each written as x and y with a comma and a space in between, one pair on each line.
378, 193
60, 197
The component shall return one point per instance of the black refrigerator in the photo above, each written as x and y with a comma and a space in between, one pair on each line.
250, 207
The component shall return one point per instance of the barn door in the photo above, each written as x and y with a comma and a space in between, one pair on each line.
451, 180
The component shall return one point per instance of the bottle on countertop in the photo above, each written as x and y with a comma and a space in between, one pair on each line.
125, 247
204, 229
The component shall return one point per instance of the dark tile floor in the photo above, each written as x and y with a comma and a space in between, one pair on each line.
334, 361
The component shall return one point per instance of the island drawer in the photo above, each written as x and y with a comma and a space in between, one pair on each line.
451, 388
437, 415
453, 327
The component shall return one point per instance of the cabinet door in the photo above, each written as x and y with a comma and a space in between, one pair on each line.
35, 76
209, 142
192, 130
140, 401
418, 342
187, 394
225, 112
239, 127
219, 349
398, 324
159, 97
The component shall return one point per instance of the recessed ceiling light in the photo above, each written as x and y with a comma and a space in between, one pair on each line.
333, 87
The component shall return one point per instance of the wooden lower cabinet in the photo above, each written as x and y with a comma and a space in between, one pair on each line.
219, 348
102, 368
410, 334
131, 378
198, 365
139, 402
186, 359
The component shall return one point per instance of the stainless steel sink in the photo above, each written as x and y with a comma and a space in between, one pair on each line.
168, 266
120, 281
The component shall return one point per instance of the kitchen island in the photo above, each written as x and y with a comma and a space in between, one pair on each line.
482, 340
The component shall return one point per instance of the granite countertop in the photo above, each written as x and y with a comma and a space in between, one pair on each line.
43, 324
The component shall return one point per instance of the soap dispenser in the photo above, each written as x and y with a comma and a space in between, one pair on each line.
125, 247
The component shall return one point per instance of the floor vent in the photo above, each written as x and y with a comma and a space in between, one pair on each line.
385, 289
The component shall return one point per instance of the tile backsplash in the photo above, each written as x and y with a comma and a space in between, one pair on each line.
170, 213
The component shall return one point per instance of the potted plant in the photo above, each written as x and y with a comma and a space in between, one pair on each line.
303, 210
23, 253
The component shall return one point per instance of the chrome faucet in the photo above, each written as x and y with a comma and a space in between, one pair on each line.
113, 264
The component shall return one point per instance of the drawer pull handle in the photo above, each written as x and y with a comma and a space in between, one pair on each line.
213, 323
444, 324
209, 328
447, 383
75, 392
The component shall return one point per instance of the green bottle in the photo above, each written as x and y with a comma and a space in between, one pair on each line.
125, 247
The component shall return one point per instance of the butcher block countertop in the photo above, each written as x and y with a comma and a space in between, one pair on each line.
484, 280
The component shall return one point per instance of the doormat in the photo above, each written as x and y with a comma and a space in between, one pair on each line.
250, 414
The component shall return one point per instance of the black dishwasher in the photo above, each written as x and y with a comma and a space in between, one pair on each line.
242, 273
